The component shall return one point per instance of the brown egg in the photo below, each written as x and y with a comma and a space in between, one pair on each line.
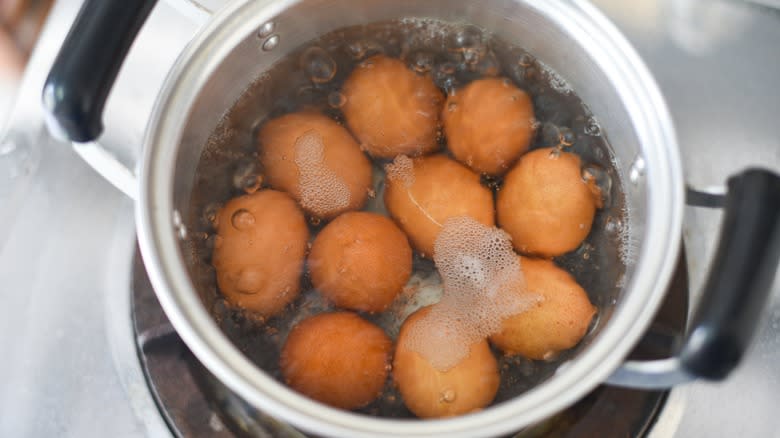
360, 261
545, 205
338, 359
259, 251
430, 393
316, 160
391, 109
557, 322
488, 124
431, 190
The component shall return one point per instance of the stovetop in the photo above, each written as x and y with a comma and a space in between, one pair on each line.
67, 244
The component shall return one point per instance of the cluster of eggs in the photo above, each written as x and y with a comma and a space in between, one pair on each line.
492, 250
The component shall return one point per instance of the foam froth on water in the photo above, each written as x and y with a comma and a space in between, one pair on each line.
322, 190
401, 169
483, 284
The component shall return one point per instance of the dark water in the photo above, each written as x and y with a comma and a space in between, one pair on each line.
453, 55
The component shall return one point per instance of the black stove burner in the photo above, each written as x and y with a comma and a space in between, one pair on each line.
195, 403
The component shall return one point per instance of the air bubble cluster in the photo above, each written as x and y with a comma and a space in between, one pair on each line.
322, 190
483, 284
401, 169
318, 65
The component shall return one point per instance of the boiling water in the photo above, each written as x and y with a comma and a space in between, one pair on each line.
453, 55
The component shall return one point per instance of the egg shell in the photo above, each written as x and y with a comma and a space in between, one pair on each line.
259, 251
431, 393
340, 154
555, 323
360, 261
544, 203
338, 359
488, 124
391, 109
441, 188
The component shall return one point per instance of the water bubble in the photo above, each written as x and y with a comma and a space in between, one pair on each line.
550, 356
557, 82
613, 226
517, 72
242, 219
637, 170
421, 61
550, 134
318, 65
444, 77
314, 221
447, 68
363, 49
487, 65
452, 106
246, 177
472, 56
448, 395
468, 37
557, 136
592, 127
310, 94
565, 137
525, 60
531, 73
524, 69
449, 85
210, 215
336, 99
599, 181
271, 43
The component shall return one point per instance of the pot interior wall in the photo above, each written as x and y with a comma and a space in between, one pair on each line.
244, 86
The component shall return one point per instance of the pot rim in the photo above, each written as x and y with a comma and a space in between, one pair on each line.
168, 273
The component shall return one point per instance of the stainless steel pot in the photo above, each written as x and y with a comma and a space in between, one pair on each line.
572, 37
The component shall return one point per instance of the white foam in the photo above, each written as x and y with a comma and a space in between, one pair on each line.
483, 285
628, 249
322, 190
401, 169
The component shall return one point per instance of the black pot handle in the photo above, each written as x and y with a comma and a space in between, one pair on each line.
740, 278
85, 68
735, 293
